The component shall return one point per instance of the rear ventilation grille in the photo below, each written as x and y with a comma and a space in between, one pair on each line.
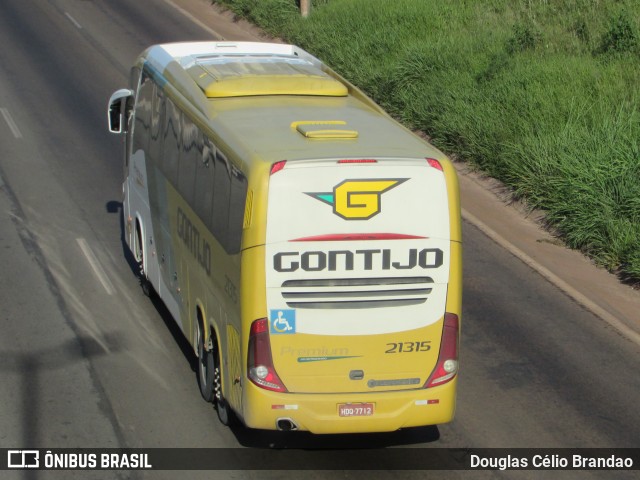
356, 292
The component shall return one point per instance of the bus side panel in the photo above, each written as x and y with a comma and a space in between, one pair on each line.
233, 392
207, 278
454, 290
253, 306
159, 203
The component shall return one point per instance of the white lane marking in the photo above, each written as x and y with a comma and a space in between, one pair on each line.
12, 125
73, 20
215, 34
97, 269
590, 305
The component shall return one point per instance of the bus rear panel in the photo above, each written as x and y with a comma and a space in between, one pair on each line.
358, 262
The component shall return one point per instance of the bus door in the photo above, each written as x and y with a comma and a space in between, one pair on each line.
163, 172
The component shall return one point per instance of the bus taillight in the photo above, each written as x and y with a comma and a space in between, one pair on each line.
434, 163
260, 362
447, 365
276, 167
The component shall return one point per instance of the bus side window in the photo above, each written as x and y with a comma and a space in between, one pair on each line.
171, 142
236, 210
229, 196
143, 114
221, 196
205, 170
155, 133
189, 159
134, 84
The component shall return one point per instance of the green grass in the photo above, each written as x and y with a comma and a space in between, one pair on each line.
541, 94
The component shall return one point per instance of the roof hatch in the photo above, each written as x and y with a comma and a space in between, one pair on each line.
245, 75
324, 129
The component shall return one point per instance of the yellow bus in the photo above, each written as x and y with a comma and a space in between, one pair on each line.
308, 246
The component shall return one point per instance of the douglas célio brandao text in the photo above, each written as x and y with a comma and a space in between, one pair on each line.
550, 462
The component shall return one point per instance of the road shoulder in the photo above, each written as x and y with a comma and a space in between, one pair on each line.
487, 205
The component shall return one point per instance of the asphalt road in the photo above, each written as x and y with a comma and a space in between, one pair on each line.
86, 360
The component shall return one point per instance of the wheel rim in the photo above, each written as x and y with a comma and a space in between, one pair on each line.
221, 406
139, 249
217, 384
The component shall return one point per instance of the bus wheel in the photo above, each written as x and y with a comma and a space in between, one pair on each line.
137, 246
147, 288
225, 414
205, 367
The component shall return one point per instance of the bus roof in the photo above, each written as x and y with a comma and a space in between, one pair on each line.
251, 75
271, 102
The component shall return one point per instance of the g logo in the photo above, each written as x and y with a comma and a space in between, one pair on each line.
358, 199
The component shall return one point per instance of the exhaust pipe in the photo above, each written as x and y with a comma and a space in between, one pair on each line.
286, 425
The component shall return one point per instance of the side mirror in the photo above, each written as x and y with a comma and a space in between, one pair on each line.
117, 109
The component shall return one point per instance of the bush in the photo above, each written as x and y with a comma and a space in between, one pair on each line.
621, 37
525, 37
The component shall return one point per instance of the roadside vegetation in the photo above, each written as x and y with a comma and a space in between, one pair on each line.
540, 94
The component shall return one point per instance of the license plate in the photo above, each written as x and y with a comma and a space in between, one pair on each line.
355, 409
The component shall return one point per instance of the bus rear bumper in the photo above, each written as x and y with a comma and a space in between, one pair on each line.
319, 413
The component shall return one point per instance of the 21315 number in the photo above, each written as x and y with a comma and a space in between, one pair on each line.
408, 347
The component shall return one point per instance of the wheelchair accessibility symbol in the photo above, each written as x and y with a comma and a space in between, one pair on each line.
282, 321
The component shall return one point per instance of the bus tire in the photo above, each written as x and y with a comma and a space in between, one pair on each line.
206, 364
138, 253
225, 413
147, 288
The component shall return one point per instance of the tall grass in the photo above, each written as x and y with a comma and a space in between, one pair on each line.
541, 94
